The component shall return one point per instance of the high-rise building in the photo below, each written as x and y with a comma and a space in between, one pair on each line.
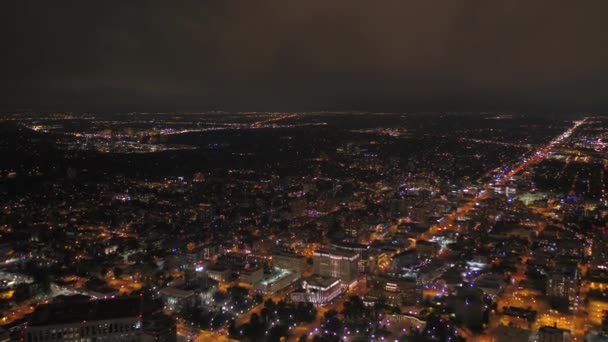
563, 284
599, 253
334, 263
92, 320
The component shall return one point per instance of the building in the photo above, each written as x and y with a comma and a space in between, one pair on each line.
276, 280
318, 290
251, 275
289, 261
563, 285
361, 249
553, 334
492, 284
98, 320
599, 253
517, 312
211, 251
207, 287
506, 333
334, 263
478, 263
598, 279
427, 249
159, 328
396, 291
175, 298
431, 271
218, 272
596, 336
597, 306
5, 335
468, 307
407, 264
350, 246
235, 259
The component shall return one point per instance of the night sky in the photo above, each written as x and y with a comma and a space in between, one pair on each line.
304, 55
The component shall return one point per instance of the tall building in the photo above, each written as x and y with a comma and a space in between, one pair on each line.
334, 263
599, 253
97, 320
563, 284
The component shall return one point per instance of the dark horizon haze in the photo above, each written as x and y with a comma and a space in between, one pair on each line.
305, 55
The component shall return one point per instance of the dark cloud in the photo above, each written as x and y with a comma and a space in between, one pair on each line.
432, 54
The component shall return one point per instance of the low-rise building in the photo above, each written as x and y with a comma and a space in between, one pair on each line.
468, 307
492, 284
553, 334
251, 276
175, 298
218, 272
291, 261
396, 291
597, 306
510, 334
276, 280
318, 290
598, 279
427, 249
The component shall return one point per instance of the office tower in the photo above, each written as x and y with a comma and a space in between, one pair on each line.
334, 263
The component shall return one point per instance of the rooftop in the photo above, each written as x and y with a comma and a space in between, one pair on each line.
275, 275
320, 281
336, 252
176, 292
288, 254
95, 310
